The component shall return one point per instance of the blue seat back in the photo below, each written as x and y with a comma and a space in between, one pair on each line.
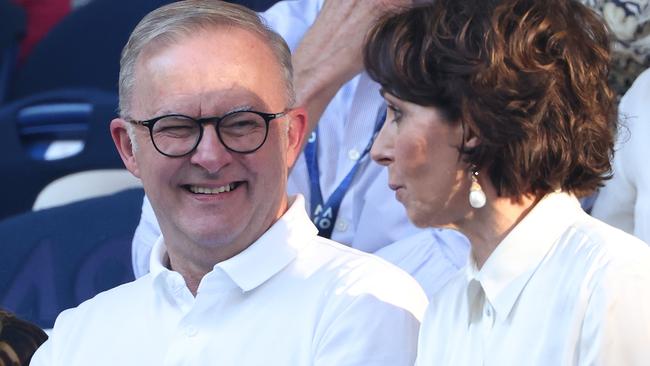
56, 258
28, 126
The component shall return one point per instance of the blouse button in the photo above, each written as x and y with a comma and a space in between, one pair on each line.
488, 311
341, 225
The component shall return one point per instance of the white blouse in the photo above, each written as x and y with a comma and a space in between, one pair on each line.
561, 289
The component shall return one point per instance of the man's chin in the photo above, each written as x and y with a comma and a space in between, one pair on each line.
215, 247
213, 239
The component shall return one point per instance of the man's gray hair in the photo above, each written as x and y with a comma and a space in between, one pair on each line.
170, 23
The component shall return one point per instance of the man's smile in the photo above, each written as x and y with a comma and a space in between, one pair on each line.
212, 190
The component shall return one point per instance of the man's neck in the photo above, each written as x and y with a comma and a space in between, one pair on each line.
193, 260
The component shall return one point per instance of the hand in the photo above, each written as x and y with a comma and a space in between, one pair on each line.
329, 54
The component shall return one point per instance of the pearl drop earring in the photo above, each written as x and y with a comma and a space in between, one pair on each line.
477, 197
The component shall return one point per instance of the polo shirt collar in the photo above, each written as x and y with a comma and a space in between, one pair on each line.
267, 256
274, 250
159, 260
509, 268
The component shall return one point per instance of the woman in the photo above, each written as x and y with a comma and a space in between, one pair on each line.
499, 116
19, 340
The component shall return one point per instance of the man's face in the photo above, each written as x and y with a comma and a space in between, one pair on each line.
211, 73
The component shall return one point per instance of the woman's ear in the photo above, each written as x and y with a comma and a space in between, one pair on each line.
470, 139
472, 142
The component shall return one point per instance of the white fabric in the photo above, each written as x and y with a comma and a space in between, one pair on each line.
561, 289
291, 298
369, 216
430, 260
624, 201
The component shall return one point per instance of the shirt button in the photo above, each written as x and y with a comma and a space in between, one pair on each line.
341, 225
488, 312
354, 154
191, 331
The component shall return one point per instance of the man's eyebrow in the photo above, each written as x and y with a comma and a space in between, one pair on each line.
240, 108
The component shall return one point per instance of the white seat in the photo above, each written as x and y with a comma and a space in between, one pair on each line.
84, 185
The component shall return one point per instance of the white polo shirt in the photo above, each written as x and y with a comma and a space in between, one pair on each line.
291, 298
561, 289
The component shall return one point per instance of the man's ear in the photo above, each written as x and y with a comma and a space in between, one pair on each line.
124, 146
296, 134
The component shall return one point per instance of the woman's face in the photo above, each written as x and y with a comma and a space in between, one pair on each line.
420, 147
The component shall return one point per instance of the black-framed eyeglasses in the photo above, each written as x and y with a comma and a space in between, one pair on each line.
177, 135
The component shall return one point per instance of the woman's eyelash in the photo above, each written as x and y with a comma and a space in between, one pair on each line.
396, 113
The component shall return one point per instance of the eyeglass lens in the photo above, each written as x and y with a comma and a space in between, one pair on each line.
239, 131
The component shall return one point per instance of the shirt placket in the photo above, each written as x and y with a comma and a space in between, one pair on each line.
190, 335
358, 131
487, 323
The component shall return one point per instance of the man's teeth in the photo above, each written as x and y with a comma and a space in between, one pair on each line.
204, 190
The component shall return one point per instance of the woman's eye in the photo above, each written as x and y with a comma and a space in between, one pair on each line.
394, 115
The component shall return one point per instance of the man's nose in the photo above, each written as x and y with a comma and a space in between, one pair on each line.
211, 154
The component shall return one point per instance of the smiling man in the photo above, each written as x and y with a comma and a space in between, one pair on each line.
239, 276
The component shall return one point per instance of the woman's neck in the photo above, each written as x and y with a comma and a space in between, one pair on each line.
490, 224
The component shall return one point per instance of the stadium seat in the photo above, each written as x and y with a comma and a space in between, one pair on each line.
28, 129
56, 258
13, 26
84, 49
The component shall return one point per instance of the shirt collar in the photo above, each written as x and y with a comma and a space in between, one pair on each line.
273, 251
159, 260
506, 272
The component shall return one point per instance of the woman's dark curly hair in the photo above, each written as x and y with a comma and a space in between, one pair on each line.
527, 77
19, 340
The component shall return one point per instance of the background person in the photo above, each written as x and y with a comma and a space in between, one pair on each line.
629, 24
239, 276
624, 201
18, 340
500, 114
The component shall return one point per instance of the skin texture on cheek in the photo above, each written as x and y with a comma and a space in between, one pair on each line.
424, 163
